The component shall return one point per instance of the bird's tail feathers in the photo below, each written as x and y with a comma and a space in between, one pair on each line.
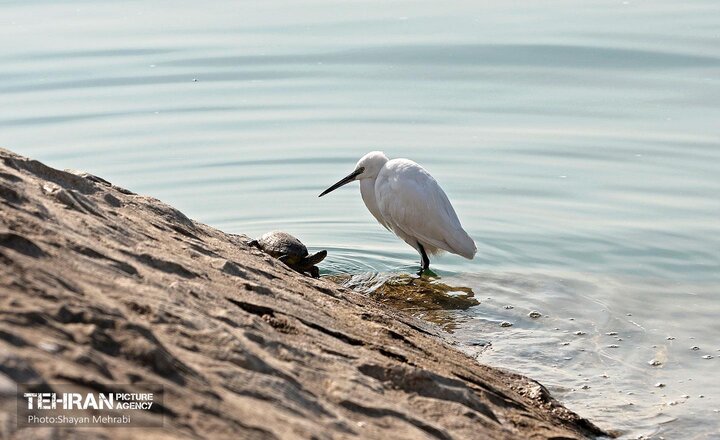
462, 244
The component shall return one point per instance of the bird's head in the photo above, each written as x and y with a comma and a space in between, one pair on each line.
367, 167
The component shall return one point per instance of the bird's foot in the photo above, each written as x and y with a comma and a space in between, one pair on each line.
426, 271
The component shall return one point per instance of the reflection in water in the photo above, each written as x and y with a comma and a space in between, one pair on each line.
425, 297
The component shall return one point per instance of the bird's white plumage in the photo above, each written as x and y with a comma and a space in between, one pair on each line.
416, 209
407, 200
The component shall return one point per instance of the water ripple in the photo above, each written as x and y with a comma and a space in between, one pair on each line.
539, 55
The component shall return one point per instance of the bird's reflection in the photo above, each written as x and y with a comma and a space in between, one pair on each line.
425, 297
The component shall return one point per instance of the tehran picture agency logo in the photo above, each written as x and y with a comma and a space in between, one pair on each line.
91, 401
74, 408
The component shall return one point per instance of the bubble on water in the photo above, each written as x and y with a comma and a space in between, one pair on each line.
707, 356
611, 333
534, 314
654, 363
695, 348
579, 333
506, 324
659, 385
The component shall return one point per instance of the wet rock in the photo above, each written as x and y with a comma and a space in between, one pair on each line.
425, 297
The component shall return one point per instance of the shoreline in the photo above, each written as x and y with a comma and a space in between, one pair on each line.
101, 286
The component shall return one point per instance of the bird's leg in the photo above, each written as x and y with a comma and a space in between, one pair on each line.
425, 263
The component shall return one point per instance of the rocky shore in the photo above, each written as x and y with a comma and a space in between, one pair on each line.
109, 290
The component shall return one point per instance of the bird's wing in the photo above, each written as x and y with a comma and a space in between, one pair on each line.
413, 203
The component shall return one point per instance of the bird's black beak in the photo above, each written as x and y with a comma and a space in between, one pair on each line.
344, 181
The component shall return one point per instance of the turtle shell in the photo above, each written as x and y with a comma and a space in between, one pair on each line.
281, 244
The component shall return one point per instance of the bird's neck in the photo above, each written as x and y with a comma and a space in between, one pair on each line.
367, 191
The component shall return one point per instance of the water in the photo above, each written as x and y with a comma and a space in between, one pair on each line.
578, 141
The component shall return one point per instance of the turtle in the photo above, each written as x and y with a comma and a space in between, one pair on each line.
290, 251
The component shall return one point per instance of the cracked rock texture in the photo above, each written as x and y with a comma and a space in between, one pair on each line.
109, 290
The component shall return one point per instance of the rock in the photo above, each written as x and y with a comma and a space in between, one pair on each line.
102, 287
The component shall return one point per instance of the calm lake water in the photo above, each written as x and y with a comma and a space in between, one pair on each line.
578, 141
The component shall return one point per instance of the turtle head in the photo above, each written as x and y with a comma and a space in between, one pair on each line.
312, 260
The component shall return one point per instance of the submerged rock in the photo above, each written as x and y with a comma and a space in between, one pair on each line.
108, 290
426, 297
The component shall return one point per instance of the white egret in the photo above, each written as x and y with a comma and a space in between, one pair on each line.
407, 200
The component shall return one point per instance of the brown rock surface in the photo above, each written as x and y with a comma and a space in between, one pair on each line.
101, 287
